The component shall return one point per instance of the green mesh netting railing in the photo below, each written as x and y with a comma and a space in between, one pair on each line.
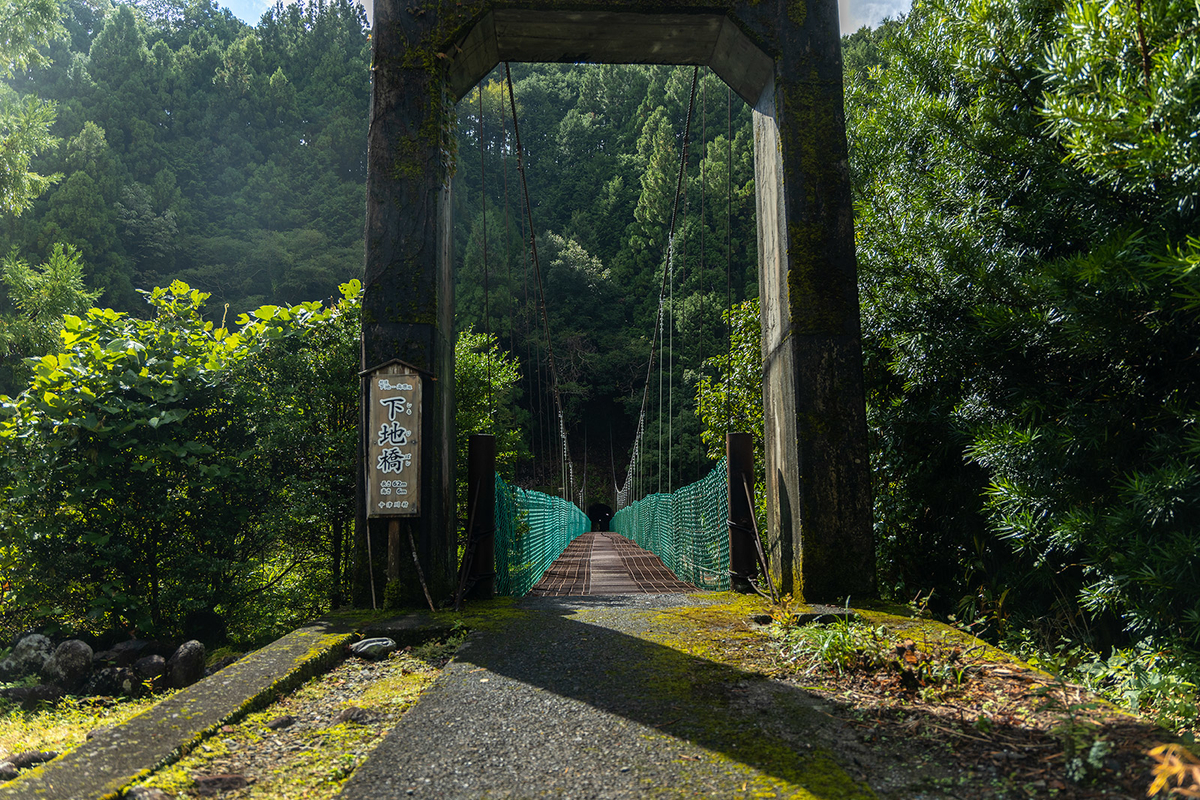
688, 530
532, 530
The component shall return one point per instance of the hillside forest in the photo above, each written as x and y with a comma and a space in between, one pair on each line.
183, 202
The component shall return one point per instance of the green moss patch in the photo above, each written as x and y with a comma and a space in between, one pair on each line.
312, 759
704, 660
65, 726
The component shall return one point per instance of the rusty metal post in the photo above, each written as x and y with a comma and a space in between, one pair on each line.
481, 514
743, 558
393, 550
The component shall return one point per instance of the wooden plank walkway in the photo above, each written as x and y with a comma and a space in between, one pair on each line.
606, 564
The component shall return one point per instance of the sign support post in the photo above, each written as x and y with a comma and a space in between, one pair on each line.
393, 457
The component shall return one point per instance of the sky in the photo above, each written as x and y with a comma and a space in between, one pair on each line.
855, 13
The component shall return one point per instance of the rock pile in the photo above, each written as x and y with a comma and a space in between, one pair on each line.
128, 669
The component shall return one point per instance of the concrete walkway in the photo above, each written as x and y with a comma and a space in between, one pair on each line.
607, 564
101, 767
607, 697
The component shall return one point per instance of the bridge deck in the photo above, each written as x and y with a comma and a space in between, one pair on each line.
607, 563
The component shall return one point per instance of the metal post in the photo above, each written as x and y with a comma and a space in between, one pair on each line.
739, 452
393, 550
481, 514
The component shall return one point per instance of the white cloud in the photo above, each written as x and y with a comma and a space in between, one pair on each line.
857, 13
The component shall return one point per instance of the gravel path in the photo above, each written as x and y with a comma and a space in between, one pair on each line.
598, 697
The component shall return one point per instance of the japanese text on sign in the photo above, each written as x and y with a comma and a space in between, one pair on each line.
393, 463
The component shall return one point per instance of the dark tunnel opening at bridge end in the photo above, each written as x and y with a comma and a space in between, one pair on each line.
601, 516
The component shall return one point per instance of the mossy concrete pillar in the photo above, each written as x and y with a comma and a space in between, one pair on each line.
819, 505
783, 57
408, 303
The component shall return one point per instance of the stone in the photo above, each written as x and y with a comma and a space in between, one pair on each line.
130, 651
222, 663
104, 658
150, 668
177, 722
373, 648
354, 714
70, 665
186, 665
279, 723
27, 658
126, 653
30, 697
31, 758
147, 793
12, 766
209, 785
113, 682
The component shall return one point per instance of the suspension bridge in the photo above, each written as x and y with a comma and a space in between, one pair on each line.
528, 542
595, 699
783, 60
534, 543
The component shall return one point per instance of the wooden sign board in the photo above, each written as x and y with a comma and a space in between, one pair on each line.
393, 450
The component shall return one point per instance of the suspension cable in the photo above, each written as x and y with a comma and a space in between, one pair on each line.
703, 275
512, 348
487, 308
670, 268
569, 483
729, 258
533, 355
661, 364
658, 322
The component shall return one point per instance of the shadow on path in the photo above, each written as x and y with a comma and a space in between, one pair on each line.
571, 699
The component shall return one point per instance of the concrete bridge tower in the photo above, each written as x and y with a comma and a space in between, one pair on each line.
783, 57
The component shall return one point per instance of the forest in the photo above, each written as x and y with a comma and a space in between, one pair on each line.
1025, 177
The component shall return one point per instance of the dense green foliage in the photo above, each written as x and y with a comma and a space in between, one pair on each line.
729, 399
196, 147
485, 380
39, 296
159, 467
603, 146
26, 26
1025, 183
1025, 175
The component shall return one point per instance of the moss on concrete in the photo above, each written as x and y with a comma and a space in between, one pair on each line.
705, 647
797, 11
322, 758
102, 767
